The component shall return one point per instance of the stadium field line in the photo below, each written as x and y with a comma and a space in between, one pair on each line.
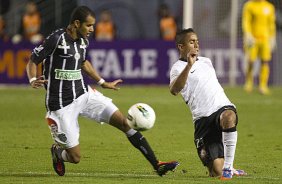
77, 174
110, 175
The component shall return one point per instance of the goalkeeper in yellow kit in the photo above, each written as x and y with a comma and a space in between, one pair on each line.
258, 22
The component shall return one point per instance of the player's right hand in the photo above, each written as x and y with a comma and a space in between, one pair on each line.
112, 85
192, 56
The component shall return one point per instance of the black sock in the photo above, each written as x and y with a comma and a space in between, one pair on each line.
139, 142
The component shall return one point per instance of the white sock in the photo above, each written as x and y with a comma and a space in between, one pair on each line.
130, 132
65, 156
229, 140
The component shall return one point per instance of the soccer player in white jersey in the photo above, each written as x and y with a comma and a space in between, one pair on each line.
214, 116
67, 96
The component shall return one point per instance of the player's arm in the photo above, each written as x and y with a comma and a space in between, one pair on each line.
93, 74
38, 55
272, 29
272, 25
31, 70
178, 84
246, 19
249, 40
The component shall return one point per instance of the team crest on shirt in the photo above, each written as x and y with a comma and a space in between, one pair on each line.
77, 56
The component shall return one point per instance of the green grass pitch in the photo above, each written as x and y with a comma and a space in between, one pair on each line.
107, 156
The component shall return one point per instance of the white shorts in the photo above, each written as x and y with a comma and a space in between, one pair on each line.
63, 123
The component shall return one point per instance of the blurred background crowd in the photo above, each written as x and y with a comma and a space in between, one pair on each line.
120, 19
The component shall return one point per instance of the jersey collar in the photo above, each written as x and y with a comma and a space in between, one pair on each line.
185, 60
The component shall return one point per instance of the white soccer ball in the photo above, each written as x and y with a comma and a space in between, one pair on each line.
141, 117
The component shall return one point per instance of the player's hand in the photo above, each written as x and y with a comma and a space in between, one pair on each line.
272, 43
249, 40
192, 56
112, 85
38, 83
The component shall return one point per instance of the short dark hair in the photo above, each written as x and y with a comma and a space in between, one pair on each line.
180, 36
80, 13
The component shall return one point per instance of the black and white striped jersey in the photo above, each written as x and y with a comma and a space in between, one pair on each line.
62, 57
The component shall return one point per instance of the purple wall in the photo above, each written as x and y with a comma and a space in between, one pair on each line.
136, 62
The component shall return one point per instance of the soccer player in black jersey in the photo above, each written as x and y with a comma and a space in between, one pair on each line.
67, 96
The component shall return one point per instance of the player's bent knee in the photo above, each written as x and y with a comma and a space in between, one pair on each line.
75, 158
74, 155
228, 119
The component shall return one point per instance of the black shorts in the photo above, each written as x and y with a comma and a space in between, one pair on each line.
208, 136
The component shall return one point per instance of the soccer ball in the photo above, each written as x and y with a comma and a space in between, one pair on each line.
141, 117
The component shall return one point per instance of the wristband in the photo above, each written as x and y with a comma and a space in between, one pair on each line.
101, 81
32, 79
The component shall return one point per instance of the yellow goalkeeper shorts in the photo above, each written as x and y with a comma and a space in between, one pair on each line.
260, 50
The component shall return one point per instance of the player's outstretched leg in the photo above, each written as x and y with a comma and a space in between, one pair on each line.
139, 141
58, 163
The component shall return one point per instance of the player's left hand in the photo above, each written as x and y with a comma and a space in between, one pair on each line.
272, 43
39, 82
249, 40
112, 85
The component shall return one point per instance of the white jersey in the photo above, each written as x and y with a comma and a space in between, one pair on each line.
202, 91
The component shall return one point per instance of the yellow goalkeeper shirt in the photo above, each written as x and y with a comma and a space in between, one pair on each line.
259, 19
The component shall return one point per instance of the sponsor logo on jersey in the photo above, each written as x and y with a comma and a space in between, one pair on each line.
68, 74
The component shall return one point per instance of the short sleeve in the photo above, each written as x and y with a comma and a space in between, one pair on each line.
86, 43
45, 49
174, 73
